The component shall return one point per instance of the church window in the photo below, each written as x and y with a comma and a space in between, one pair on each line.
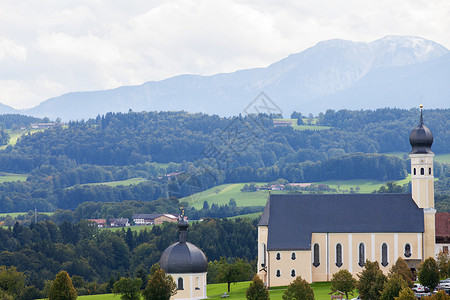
384, 255
316, 254
263, 255
422, 171
278, 273
293, 273
180, 284
414, 171
278, 256
339, 255
293, 257
362, 255
197, 283
429, 171
407, 250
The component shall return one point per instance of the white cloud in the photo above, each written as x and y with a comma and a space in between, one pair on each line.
51, 47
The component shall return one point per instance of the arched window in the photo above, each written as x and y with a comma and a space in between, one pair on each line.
263, 255
407, 250
422, 171
414, 171
362, 255
293, 257
197, 283
180, 283
316, 255
293, 273
429, 171
278, 256
384, 255
278, 273
339, 255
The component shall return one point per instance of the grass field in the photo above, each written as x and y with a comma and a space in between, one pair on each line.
305, 127
133, 228
321, 290
249, 216
130, 181
9, 177
16, 134
221, 194
16, 214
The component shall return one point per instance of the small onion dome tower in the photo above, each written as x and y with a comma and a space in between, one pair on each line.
187, 264
422, 181
421, 138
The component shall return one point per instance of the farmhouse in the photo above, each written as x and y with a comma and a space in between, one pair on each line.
442, 233
315, 236
119, 222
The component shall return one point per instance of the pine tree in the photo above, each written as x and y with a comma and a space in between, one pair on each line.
257, 290
160, 286
62, 288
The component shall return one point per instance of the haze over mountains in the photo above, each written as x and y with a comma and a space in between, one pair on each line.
395, 71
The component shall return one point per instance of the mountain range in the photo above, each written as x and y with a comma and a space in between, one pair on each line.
395, 71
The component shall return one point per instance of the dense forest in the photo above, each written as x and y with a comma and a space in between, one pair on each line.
203, 151
43, 249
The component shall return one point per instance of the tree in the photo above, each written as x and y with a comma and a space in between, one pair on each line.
371, 281
128, 288
62, 288
401, 268
429, 273
12, 282
257, 290
299, 289
238, 270
343, 281
160, 286
406, 294
441, 295
443, 264
393, 287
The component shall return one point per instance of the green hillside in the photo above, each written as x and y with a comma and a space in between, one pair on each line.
222, 194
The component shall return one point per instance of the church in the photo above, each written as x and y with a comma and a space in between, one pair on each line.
315, 236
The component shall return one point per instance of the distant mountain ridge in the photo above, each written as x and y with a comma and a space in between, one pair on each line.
392, 71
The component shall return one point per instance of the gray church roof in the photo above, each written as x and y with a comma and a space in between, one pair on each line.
293, 218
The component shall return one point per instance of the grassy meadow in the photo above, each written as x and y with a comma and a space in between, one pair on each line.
16, 134
313, 125
126, 182
321, 290
221, 194
10, 177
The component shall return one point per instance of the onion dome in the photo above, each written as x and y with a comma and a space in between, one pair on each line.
421, 138
183, 257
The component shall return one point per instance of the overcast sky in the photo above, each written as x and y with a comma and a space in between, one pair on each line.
52, 47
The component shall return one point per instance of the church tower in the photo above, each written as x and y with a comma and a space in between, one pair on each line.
422, 181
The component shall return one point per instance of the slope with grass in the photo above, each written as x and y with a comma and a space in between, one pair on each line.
312, 126
215, 291
9, 177
222, 194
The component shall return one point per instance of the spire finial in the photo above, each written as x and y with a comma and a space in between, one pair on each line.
421, 118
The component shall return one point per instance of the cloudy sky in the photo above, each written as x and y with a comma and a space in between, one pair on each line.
52, 47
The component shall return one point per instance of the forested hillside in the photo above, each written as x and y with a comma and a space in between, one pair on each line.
41, 250
208, 150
